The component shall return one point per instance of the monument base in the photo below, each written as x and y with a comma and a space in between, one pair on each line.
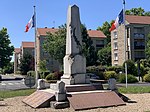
75, 79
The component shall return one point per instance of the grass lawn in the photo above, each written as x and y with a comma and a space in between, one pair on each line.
26, 92
134, 89
13, 93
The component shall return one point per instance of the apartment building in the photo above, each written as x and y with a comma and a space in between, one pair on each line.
98, 38
26, 47
135, 34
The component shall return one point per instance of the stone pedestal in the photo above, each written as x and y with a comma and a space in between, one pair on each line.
60, 93
112, 84
41, 84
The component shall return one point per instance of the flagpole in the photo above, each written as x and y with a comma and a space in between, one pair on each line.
125, 43
35, 47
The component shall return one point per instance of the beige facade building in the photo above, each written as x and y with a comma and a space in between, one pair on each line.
98, 38
135, 33
26, 47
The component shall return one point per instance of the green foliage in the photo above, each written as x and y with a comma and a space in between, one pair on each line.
131, 68
43, 74
31, 73
117, 69
27, 63
10, 93
105, 29
145, 62
6, 50
130, 78
104, 56
88, 49
146, 78
9, 68
137, 11
134, 89
42, 65
18, 72
147, 49
110, 74
55, 44
97, 70
51, 76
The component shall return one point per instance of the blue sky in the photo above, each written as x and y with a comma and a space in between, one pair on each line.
15, 14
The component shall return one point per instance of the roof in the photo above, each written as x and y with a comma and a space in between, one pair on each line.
92, 33
17, 50
96, 33
132, 19
43, 31
28, 44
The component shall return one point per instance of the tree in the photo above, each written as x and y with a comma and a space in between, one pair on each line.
104, 56
147, 49
26, 63
131, 68
9, 68
137, 11
55, 44
42, 65
6, 50
105, 29
88, 49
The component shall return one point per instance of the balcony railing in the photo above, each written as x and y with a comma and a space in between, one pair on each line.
139, 36
139, 47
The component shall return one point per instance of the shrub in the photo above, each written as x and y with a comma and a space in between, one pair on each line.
130, 78
92, 69
96, 70
51, 76
58, 74
146, 78
131, 68
18, 72
117, 69
31, 73
110, 74
43, 74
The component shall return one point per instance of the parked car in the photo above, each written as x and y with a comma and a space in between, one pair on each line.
92, 76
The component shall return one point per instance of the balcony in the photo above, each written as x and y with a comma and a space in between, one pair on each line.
139, 36
139, 47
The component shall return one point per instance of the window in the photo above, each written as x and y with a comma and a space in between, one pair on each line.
138, 29
115, 35
115, 56
139, 44
115, 45
139, 54
99, 43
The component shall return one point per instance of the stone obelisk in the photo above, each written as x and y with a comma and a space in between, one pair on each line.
74, 60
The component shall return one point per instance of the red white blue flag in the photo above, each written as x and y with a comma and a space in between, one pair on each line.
119, 20
30, 24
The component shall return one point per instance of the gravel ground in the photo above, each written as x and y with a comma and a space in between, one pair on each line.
143, 104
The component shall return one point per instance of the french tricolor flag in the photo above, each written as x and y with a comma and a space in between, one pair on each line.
119, 20
30, 24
